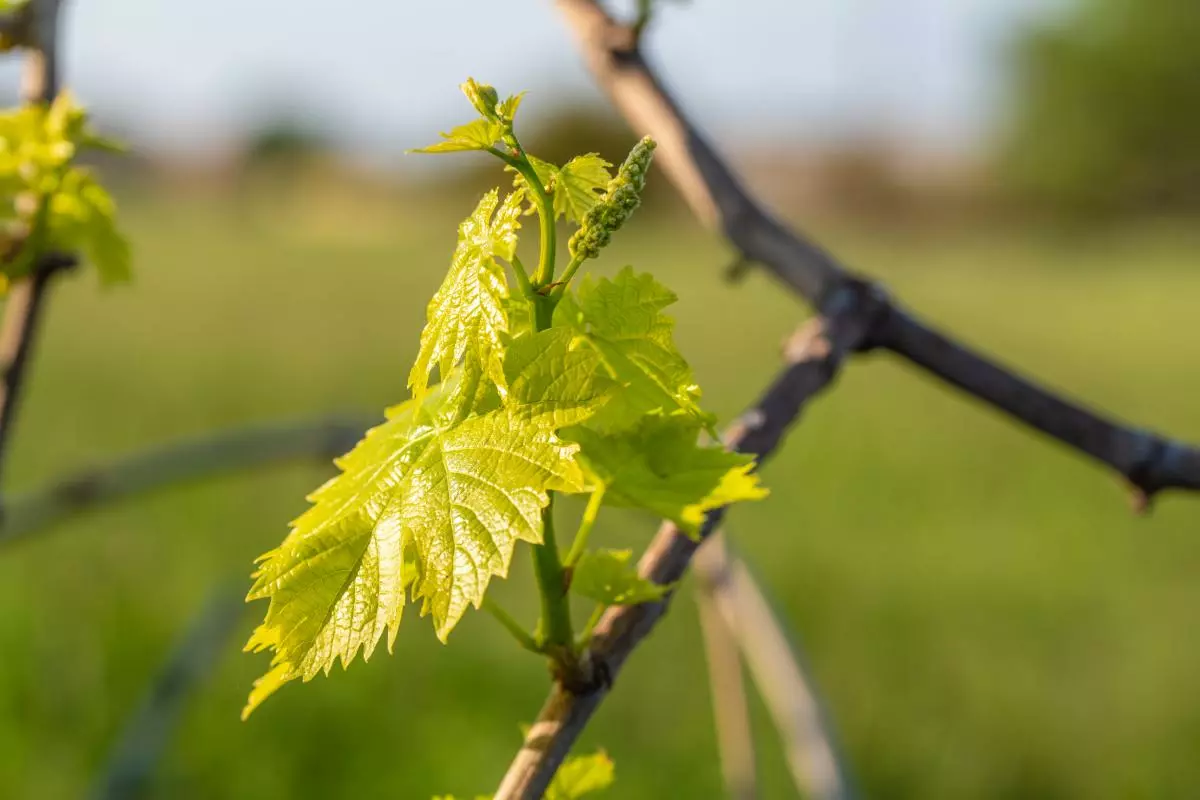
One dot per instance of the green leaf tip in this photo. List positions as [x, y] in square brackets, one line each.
[483, 97]
[494, 124]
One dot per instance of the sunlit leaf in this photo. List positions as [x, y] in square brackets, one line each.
[50, 203]
[623, 320]
[479, 134]
[660, 467]
[576, 187]
[467, 314]
[580, 776]
[430, 504]
[547, 375]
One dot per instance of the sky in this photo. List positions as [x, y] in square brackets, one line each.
[382, 74]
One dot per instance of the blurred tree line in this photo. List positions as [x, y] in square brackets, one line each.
[1107, 110]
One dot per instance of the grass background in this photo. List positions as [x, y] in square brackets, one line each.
[983, 614]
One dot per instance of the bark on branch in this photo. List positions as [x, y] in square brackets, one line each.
[1148, 462]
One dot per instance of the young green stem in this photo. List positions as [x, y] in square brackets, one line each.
[554, 635]
[585, 528]
[554, 628]
[545, 211]
[522, 277]
[511, 625]
[585, 636]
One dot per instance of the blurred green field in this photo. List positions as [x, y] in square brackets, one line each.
[983, 614]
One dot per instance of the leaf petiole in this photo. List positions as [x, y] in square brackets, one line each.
[560, 286]
[585, 636]
[511, 625]
[579, 545]
[545, 209]
[522, 278]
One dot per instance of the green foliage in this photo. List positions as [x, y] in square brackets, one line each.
[1107, 115]
[480, 134]
[659, 466]
[622, 320]
[608, 577]
[430, 503]
[575, 186]
[467, 312]
[50, 202]
[543, 391]
[578, 776]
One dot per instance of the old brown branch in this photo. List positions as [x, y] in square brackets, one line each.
[173, 464]
[1148, 462]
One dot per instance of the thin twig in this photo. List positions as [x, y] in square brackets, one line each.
[731, 710]
[813, 355]
[175, 463]
[811, 754]
[132, 761]
[1149, 463]
[35, 27]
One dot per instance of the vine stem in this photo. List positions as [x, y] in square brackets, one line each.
[554, 628]
[585, 528]
[554, 635]
[548, 234]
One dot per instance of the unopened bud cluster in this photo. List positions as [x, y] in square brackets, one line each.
[622, 196]
[483, 97]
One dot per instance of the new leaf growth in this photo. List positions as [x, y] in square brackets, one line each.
[521, 390]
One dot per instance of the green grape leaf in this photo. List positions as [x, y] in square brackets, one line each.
[579, 184]
[622, 320]
[428, 503]
[507, 110]
[579, 776]
[467, 314]
[51, 204]
[608, 577]
[520, 315]
[547, 375]
[480, 134]
[83, 217]
[659, 466]
[576, 187]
